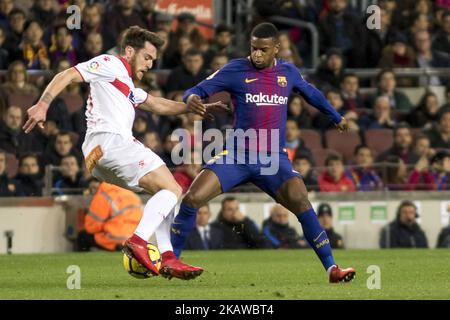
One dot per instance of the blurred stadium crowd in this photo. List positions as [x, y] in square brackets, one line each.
[395, 143]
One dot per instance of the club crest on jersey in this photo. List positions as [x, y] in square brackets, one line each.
[93, 66]
[282, 82]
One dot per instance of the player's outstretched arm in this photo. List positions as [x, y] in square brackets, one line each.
[314, 97]
[168, 107]
[37, 113]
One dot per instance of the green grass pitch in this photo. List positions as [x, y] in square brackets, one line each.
[265, 274]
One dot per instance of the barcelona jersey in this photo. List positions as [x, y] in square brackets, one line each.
[260, 98]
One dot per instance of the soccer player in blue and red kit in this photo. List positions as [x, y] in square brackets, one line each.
[259, 86]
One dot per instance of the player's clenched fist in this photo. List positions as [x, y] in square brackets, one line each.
[343, 125]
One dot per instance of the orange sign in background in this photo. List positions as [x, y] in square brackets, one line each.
[201, 9]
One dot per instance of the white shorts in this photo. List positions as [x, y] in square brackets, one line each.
[123, 161]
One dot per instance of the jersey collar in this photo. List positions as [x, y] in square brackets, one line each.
[126, 64]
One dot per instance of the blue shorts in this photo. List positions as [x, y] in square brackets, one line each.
[232, 172]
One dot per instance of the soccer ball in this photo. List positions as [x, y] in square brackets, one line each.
[137, 270]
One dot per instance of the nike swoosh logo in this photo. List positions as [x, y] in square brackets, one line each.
[250, 80]
[318, 236]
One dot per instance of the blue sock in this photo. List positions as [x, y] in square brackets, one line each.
[181, 227]
[316, 237]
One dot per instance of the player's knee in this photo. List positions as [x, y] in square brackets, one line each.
[298, 201]
[193, 199]
[176, 189]
[297, 197]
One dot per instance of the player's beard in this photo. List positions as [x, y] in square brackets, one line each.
[134, 68]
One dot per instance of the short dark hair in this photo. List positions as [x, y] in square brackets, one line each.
[228, 199]
[63, 133]
[383, 72]
[30, 22]
[406, 203]
[136, 37]
[359, 147]
[402, 125]
[224, 28]
[192, 52]
[61, 26]
[333, 157]
[17, 63]
[442, 112]
[332, 90]
[421, 136]
[348, 75]
[70, 156]
[265, 30]
[301, 155]
[17, 11]
[26, 156]
[220, 54]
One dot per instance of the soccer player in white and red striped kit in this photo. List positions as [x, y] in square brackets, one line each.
[111, 152]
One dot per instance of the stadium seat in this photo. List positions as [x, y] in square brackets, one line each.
[414, 94]
[345, 143]
[24, 101]
[74, 102]
[12, 165]
[320, 155]
[379, 140]
[312, 138]
[440, 93]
